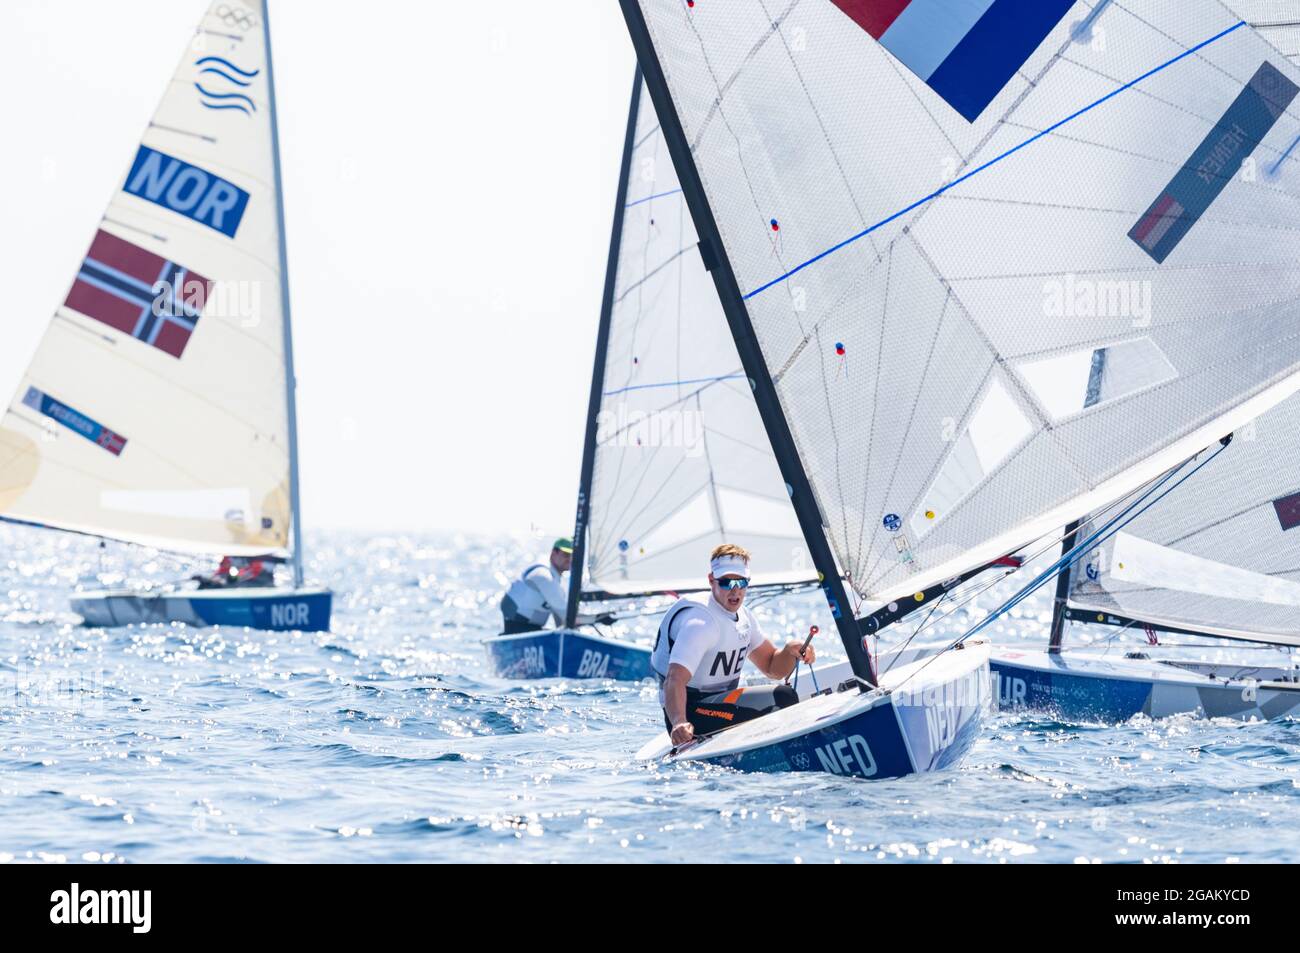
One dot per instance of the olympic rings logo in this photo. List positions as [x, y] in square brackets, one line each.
[236, 17]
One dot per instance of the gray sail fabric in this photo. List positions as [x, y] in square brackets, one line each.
[1278, 21]
[1222, 554]
[929, 292]
[682, 460]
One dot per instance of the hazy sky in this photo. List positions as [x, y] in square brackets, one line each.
[450, 171]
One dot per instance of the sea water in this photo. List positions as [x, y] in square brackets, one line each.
[387, 739]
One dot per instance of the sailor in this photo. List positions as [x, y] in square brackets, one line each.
[238, 571]
[702, 647]
[539, 594]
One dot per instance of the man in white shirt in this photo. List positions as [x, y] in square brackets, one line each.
[702, 647]
[539, 594]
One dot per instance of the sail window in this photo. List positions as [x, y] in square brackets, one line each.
[743, 511]
[1066, 384]
[996, 428]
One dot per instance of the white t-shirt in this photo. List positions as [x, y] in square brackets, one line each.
[708, 640]
[540, 594]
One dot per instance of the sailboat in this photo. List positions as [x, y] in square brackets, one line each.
[892, 198]
[159, 407]
[1219, 559]
[675, 460]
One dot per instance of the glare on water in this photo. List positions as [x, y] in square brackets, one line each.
[388, 739]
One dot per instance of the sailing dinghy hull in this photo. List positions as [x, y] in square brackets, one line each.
[925, 717]
[277, 610]
[566, 653]
[1079, 687]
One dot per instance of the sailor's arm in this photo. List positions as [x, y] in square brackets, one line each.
[675, 703]
[780, 664]
[554, 598]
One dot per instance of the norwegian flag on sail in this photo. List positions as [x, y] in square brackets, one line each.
[138, 293]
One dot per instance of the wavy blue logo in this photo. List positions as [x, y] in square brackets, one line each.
[220, 82]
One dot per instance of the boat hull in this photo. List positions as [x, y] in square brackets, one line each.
[566, 653]
[277, 610]
[1078, 687]
[925, 718]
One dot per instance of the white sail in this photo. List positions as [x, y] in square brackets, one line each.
[1278, 21]
[682, 460]
[937, 230]
[155, 408]
[1222, 554]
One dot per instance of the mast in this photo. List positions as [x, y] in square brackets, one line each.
[290, 382]
[1062, 592]
[1091, 398]
[598, 368]
[751, 356]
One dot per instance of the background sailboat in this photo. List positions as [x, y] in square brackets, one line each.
[159, 407]
[676, 460]
[1219, 558]
[915, 202]
[1216, 558]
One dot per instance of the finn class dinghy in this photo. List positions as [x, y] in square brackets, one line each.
[676, 460]
[159, 407]
[923, 227]
[1220, 558]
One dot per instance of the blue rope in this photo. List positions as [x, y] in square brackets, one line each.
[1117, 523]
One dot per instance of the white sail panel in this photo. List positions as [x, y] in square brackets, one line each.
[682, 460]
[922, 255]
[1222, 553]
[1278, 21]
[154, 410]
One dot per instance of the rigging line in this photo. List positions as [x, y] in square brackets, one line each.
[647, 238]
[915, 632]
[1211, 64]
[645, 277]
[720, 87]
[625, 520]
[941, 460]
[875, 399]
[821, 124]
[1211, 122]
[765, 452]
[1100, 536]
[651, 198]
[1286, 155]
[686, 383]
[990, 163]
[1069, 558]
[1097, 209]
[839, 471]
[911, 417]
[718, 519]
[646, 138]
[717, 110]
[664, 409]
[1049, 543]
